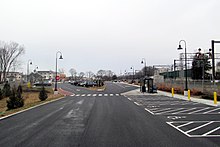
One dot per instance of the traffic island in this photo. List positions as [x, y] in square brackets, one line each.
[31, 99]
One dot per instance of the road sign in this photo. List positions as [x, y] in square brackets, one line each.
[57, 77]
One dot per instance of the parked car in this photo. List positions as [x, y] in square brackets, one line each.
[43, 83]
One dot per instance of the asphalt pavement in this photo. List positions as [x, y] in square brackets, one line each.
[112, 118]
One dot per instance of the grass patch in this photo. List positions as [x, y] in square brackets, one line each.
[30, 99]
[95, 88]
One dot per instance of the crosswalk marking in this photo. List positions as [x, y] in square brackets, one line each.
[93, 95]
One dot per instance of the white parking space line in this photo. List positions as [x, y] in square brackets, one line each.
[207, 133]
[186, 124]
[184, 111]
[204, 127]
[199, 110]
[149, 111]
[206, 124]
[137, 103]
[160, 110]
[170, 111]
[211, 111]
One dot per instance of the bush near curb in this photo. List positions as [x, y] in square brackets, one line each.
[15, 99]
[43, 94]
[1, 94]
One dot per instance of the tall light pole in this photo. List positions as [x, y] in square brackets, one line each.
[61, 57]
[180, 48]
[133, 74]
[145, 67]
[29, 63]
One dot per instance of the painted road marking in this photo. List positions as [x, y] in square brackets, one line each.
[129, 99]
[211, 111]
[137, 103]
[200, 129]
[170, 111]
[88, 95]
[206, 124]
[184, 111]
[149, 111]
[199, 110]
[186, 124]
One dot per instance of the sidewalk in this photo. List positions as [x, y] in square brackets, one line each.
[178, 96]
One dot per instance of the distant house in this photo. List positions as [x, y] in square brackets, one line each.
[34, 77]
[14, 76]
[47, 75]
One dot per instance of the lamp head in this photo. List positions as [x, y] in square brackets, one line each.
[142, 62]
[179, 48]
[30, 63]
[61, 57]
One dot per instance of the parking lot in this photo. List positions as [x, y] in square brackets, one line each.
[190, 118]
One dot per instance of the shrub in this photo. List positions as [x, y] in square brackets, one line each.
[15, 99]
[196, 92]
[1, 94]
[6, 90]
[43, 94]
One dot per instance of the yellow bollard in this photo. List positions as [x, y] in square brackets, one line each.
[172, 92]
[189, 95]
[215, 97]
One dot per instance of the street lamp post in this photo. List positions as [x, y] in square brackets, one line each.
[55, 88]
[133, 74]
[145, 68]
[186, 84]
[29, 63]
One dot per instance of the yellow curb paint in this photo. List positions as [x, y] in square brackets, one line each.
[215, 97]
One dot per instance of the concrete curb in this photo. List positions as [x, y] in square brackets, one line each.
[13, 114]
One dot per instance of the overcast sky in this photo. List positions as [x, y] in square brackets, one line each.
[108, 34]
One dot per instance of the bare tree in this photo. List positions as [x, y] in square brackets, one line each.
[90, 74]
[9, 54]
[81, 74]
[61, 71]
[73, 72]
[101, 73]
